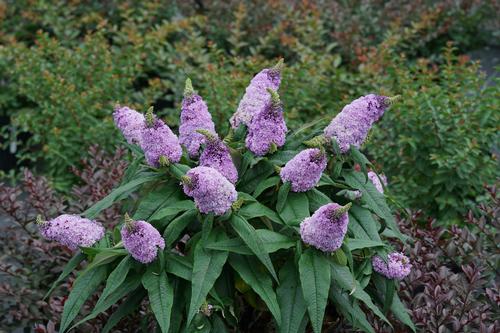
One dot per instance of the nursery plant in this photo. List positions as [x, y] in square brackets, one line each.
[278, 221]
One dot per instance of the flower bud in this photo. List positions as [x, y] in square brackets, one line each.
[211, 191]
[397, 266]
[194, 116]
[304, 170]
[376, 181]
[351, 126]
[326, 228]
[71, 230]
[141, 240]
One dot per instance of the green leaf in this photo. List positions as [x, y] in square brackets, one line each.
[317, 199]
[248, 234]
[116, 278]
[256, 209]
[179, 266]
[177, 226]
[254, 176]
[356, 244]
[103, 258]
[273, 242]
[120, 192]
[160, 196]
[389, 294]
[269, 182]
[290, 299]
[131, 283]
[70, 266]
[352, 312]
[400, 311]
[83, 287]
[248, 269]
[132, 303]
[364, 218]
[296, 207]
[315, 280]
[173, 209]
[161, 296]
[282, 196]
[373, 199]
[207, 266]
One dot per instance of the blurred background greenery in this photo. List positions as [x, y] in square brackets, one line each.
[64, 64]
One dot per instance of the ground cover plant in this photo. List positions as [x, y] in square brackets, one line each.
[266, 220]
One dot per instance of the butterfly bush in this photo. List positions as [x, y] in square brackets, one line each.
[376, 181]
[217, 155]
[211, 191]
[267, 129]
[256, 95]
[72, 231]
[249, 207]
[326, 228]
[130, 123]
[304, 170]
[397, 266]
[194, 116]
[141, 240]
[351, 126]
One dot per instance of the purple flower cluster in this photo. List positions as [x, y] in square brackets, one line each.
[397, 266]
[211, 191]
[194, 116]
[216, 155]
[256, 96]
[141, 240]
[326, 228]
[267, 129]
[351, 126]
[159, 140]
[376, 181]
[304, 170]
[72, 231]
[130, 122]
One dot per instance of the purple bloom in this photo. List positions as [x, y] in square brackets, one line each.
[141, 240]
[267, 130]
[326, 228]
[304, 170]
[211, 191]
[397, 266]
[351, 126]
[216, 155]
[72, 231]
[159, 140]
[256, 96]
[376, 182]
[194, 116]
[130, 123]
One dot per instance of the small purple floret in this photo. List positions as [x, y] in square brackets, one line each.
[211, 191]
[397, 266]
[351, 126]
[72, 231]
[159, 140]
[323, 230]
[142, 241]
[304, 170]
[130, 123]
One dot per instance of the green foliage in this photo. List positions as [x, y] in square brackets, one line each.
[227, 264]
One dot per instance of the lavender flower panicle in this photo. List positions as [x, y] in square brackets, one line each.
[158, 140]
[326, 228]
[130, 123]
[397, 266]
[211, 191]
[267, 130]
[304, 170]
[71, 230]
[141, 240]
[376, 181]
[216, 155]
[351, 126]
[194, 116]
[256, 96]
